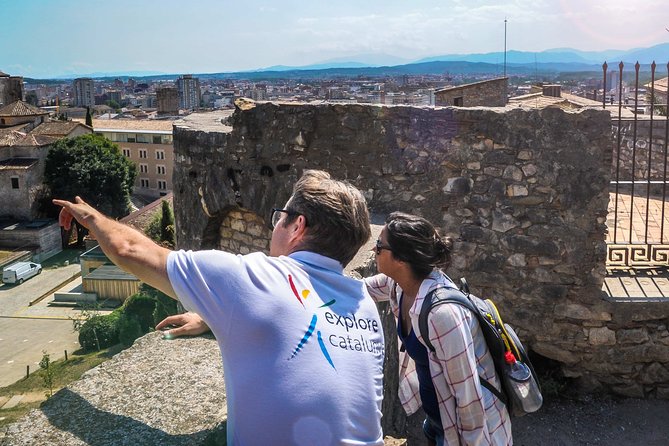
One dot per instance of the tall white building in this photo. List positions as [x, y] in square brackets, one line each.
[189, 92]
[84, 92]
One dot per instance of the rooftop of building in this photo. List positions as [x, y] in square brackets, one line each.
[141, 218]
[458, 87]
[132, 124]
[57, 128]
[20, 108]
[10, 135]
[661, 85]
[17, 163]
[36, 140]
[565, 101]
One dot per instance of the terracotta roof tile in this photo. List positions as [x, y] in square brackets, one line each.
[31, 140]
[9, 136]
[661, 85]
[56, 128]
[141, 218]
[20, 108]
[132, 124]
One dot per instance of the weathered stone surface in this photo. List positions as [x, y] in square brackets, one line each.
[554, 352]
[602, 336]
[655, 373]
[531, 245]
[528, 192]
[573, 311]
[458, 186]
[503, 222]
[138, 397]
[633, 336]
[630, 391]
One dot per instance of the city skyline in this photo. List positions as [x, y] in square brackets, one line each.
[50, 39]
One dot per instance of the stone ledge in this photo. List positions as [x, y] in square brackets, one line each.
[157, 392]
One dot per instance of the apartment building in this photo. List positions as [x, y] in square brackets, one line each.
[148, 144]
[189, 92]
[84, 92]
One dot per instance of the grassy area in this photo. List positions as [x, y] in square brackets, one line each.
[65, 372]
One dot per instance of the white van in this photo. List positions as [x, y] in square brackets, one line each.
[20, 271]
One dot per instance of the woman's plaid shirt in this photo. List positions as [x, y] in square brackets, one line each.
[470, 414]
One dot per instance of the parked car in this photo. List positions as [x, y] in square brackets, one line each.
[20, 271]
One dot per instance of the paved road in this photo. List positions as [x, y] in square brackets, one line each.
[25, 331]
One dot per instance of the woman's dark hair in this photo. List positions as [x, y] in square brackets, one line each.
[414, 240]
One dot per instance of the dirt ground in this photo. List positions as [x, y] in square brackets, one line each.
[595, 420]
[591, 420]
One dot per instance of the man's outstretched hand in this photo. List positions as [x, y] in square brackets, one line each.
[187, 324]
[78, 209]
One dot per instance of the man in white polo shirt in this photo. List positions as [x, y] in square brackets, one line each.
[302, 344]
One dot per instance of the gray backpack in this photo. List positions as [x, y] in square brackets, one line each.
[520, 387]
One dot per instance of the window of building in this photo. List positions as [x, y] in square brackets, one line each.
[15, 182]
[131, 137]
[143, 168]
[458, 102]
[126, 153]
[142, 153]
[160, 170]
[143, 138]
[162, 184]
[160, 154]
[157, 139]
[144, 182]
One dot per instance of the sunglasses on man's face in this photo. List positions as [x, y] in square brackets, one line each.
[380, 246]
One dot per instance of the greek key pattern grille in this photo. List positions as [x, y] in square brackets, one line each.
[637, 255]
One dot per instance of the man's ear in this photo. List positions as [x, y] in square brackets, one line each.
[298, 230]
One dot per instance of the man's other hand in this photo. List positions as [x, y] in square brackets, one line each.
[187, 324]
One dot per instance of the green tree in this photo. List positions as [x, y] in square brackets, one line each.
[48, 376]
[89, 118]
[161, 227]
[94, 168]
[31, 98]
[113, 104]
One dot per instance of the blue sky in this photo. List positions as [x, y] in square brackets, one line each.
[42, 38]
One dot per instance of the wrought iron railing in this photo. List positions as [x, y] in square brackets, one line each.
[639, 180]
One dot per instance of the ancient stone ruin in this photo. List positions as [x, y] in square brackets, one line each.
[524, 193]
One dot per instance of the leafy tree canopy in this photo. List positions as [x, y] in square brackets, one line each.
[161, 227]
[94, 168]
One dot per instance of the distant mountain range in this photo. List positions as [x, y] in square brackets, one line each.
[658, 53]
[557, 60]
[114, 74]
[578, 58]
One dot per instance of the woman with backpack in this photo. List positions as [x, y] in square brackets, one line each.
[410, 255]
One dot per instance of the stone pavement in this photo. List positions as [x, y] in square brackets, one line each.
[637, 219]
[27, 331]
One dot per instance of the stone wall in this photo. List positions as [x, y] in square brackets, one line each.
[490, 93]
[11, 89]
[243, 232]
[656, 142]
[525, 193]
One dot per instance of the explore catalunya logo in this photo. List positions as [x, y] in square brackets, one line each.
[312, 326]
[345, 332]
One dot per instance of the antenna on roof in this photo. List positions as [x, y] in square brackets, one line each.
[504, 46]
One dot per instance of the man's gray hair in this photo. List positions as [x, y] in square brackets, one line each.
[336, 214]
